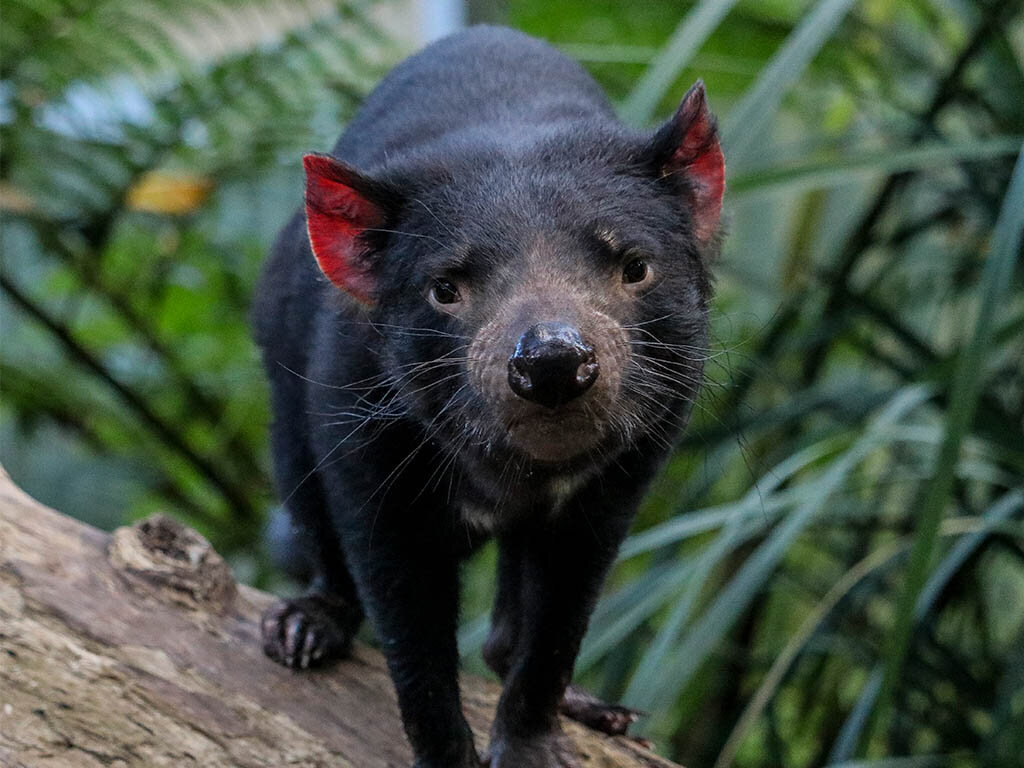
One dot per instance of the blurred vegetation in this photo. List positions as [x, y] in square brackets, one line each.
[831, 569]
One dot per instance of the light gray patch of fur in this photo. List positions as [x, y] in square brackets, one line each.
[563, 487]
[479, 517]
[608, 237]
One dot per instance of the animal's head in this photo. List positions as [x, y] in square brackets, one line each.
[548, 300]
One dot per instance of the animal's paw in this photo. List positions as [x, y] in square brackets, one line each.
[549, 750]
[585, 708]
[308, 631]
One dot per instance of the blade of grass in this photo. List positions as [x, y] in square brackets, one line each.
[883, 556]
[623, 612]
[963, 401]
[707, 633]
[647, 673]
[472, 635]
[849, 167]
[670, 61]
[849, 734]
[1000, 511]
[747, 123]
[773, 678]
[758, 500]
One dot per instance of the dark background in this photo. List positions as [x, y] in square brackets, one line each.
[831, 568]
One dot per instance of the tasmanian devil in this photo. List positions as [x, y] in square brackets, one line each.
[489, 319]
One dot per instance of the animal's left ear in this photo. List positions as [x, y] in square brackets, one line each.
[687, 148]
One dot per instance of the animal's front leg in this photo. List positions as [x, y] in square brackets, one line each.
[408, 581]
[500, 647]
[561, 574]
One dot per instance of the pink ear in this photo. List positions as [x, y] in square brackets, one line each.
[337, 213]
[698, 155]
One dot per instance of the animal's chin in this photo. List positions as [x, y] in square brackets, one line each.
[554, 436]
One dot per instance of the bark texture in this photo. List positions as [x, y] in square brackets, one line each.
[139, 649]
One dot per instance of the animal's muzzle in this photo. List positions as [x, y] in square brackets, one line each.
[552, 365]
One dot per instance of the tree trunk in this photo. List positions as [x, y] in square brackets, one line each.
[139, 649]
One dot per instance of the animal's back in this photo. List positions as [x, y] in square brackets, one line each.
[483, 81]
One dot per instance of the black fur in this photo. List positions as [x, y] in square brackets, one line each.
[478, 147]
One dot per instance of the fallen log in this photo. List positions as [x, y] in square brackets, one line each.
[139, 649]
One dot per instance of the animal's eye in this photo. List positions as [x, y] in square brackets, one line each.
[635, 271]
[445, 292]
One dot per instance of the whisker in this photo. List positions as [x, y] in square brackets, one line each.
[411, 330]
[407, 234]
[392, 476]
[436, 218]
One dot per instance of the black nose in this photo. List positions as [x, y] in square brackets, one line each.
[552, 365]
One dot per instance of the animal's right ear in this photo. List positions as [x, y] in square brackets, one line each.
[342, 206]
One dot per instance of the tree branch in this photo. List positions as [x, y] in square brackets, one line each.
[140, 649]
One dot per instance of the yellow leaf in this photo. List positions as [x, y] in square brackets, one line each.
[169, 193]
[13, 199]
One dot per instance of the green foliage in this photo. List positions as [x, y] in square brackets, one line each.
[142, 181]
[831, 569]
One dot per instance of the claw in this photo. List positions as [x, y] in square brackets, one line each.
[294, 635]
[585, 708]
[307, 649]
[309, 630]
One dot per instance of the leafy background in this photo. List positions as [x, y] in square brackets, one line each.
[831, 569]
